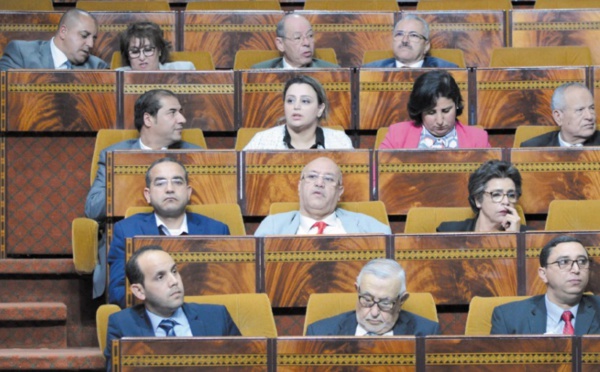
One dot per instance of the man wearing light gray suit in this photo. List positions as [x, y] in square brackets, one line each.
[320, 188]
[159, 120]
[70, 48]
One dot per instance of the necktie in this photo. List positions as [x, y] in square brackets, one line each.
[320, 225]
[69, 65]
[568, 330]
[371, 334]
[168, 325]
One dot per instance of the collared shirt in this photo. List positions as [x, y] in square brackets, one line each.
[418, 64]
[360, 331]
[334, 225]
[182, 325]
[287, 66]
[429, 141]
[58, 57]
[172, 232]
[272, 139]
[144, 147]
[563, 143]
[554, 322]
[319, 139]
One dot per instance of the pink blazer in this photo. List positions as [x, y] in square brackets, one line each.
[406, 135]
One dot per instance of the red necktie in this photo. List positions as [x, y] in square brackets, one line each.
[567, 316]
[320, 225]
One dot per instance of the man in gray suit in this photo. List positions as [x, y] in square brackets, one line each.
[159, 120]
[564, 309]
[70, 48]
[320, 188]
[295, 39]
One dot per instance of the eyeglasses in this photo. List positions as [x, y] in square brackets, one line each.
[328, 179]
[383, 305]
[147, 50]
[566, 264]
[497, 196]
[297, 39]
[414, 37]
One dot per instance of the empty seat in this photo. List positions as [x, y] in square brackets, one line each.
[234, 5]
[479, 319]
[541, 56]
[124, 6]
[573, 215]
[352, 5]
[464, 5]
[26, 5]
[566, 4]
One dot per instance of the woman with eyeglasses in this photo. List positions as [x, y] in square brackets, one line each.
[434, 105]
[494, 190]
[305, 105]
[143, 48]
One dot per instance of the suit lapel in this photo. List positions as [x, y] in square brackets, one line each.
[404, 325]
[142, 322]
[149, 226]
[348, 325]
[537, 316]
[585, 317]
[196, 324]
[46, 56]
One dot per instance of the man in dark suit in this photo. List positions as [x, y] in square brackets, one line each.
[381, 287]
[295, 40]
[168, 191]
[70, 48]
[411, 45]
[574, 112]
[159, 120]
[154, 279]
[564, 309]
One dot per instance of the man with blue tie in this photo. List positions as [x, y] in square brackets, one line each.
[155, 280]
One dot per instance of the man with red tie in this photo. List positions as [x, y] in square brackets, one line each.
[564, 309]
[320, 188]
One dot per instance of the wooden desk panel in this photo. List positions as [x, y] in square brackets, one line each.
[207, 97]
[60, 101]
[346, 354]
[273, 176]
[426, 178]
[557, 173]
[212, 175]
[223, 33]
[456, 267]
[510, 97]
[208, 265]
[590, 360]
[297, 266]
[262, 96]
[25, 25]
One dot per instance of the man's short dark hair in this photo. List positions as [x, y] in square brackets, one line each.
[547, 250]
[428, 88]
[132, 269]
[149, 102]
[164, 160]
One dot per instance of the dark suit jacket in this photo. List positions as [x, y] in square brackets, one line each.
[145, 224]
[550, 139]
[205, 320]
[427, 62]
[37, 55]
[466, 226]
[529, 317]
[345, 325]
[278, 63]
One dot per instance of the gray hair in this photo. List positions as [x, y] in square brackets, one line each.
[415, 18]
[384, 268]
[558, 97]
[280, 31]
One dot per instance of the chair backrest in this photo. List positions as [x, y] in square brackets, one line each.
[381, 133]
[107, 137]
[479, 319]
[375, 209]
[201, 60]
[464, 5]
[245, 59]
[251, 312]
[573, 215]
[26, 5]
[234, 5]
[325, 305]
[102, 314]
[342, 5]
[123, 6]
[244, 135]
[451, 55]
[541, 56]
[425, 220]
[566, 4]
[525, 132]
[228, 213]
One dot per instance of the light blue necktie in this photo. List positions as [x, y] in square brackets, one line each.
[168, 325]
[69, 65]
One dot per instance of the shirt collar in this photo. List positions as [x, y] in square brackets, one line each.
[58, 57]
[287, 66]
[417, 64]
[360, 331]
[554, 314]
[178, 316]
[319, 138]
[306, 222]
[144, 147]
[172, 232]
[564, 143]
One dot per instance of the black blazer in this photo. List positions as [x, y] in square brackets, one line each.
[467, 225]
[551, 140]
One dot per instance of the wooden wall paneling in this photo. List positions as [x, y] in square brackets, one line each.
[61, 100]
[222, 33]
[273, 176]
[557, 173]
[425, 178]
[510, 97]
[384, 94]
[23, 25]
[297, 266]
[595, 75]
[590, 346]
[207, 97]
[262, 96]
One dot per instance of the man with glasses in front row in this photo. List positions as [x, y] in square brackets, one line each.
[564, 309]
[411, 45]
[381, 287]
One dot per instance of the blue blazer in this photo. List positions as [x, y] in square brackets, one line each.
[205, 320]
[427, 62]
[288, 223]
[145, 224]
[37, 55]
[531, 319]
[345, 325]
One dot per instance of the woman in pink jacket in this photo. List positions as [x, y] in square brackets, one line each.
[433, 106]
